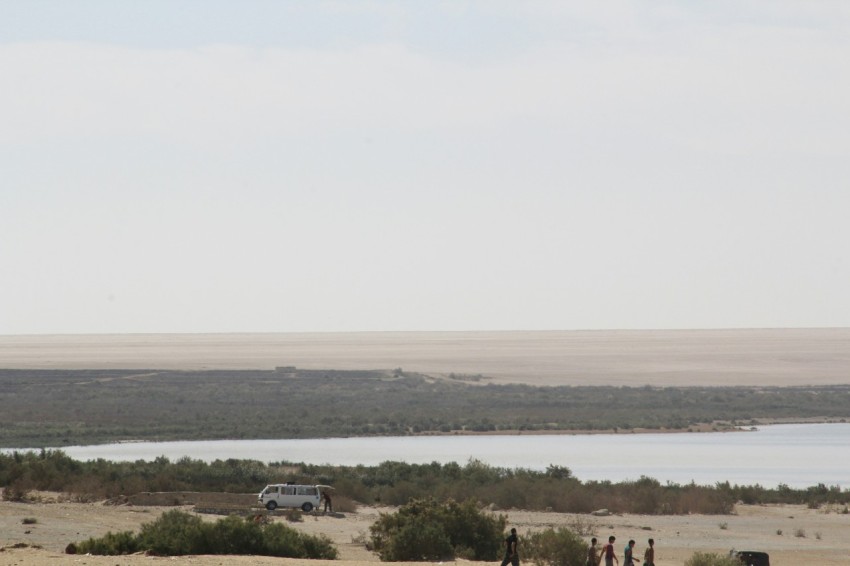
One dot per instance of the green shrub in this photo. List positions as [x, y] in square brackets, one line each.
[281, 540]
[232, 535]
[318, 547]
[419, 539]
[110, 544]
[426, 530]
[551, 547]
[178, 533]
[175, 533]
[711, 559]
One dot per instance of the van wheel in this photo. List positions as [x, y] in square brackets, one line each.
[271, 505]
[307, 507]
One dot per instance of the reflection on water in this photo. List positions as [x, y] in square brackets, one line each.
[799, 455]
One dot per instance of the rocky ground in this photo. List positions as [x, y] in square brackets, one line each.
[793, 535]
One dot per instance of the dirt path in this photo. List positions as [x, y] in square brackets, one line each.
[807, 536]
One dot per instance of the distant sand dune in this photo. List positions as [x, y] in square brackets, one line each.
[640, 357]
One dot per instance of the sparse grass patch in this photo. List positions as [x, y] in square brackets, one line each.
[723, 526]
[293, 515]
[554, 547]
[29, 521]
[800, 533]
[343, 504]
[582, 526]
[362, 539]
[15, 492]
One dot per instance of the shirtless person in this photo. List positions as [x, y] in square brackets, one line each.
[649, 554]
[592, 556]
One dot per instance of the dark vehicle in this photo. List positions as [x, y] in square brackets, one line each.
[752, 558]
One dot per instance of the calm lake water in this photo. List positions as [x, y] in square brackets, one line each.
[799, 455]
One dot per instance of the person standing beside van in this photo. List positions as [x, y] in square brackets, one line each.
[326, 497]
[511, 554]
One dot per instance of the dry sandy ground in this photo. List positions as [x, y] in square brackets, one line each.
[752, 527]
[626, 357]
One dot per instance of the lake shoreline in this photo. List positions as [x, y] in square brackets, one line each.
[719, 426]
[692, 429]
[798, 455]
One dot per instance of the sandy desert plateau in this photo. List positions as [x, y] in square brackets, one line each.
[780, 357]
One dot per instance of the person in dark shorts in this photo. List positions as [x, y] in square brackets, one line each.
[511, 554]
[326, 497]
[628, 558]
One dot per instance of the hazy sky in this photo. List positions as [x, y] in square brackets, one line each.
[212, 166]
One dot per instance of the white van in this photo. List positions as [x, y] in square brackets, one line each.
[306, 497]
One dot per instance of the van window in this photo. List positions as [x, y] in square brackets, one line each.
[304, 490]
[288, 490]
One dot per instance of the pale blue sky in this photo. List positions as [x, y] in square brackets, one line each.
[217, 166]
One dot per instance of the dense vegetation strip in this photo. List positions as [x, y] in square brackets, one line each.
[63, 407]
[394, 483]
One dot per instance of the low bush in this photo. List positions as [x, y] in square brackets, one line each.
[344, 504]
[111, 544]
[711, 559]
[15, 492]
[552, 547]
[178, 533]
[175, 533]
[425, 530]
[293, 515]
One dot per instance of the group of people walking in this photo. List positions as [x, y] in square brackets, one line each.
[609, 553]
[594, 554]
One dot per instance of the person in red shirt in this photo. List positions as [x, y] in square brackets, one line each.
[609, 553]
